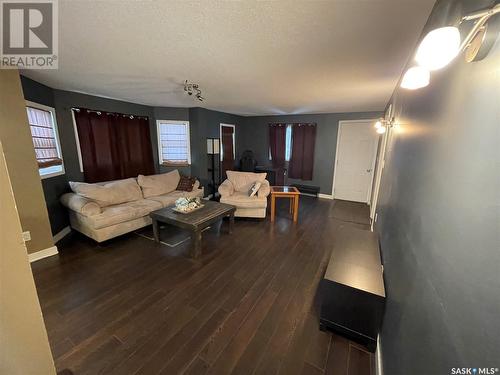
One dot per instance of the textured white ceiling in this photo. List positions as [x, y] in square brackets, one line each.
[265, 57]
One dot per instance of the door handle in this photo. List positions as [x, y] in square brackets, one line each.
[368, 170]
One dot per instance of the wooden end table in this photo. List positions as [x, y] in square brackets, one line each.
[289, 192]
[194, 221]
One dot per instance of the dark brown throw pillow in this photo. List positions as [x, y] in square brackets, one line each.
[186, 183]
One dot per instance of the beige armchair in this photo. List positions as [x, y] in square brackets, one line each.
[235, 190]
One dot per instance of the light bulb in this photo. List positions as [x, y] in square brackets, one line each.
[378, 124]
[415, 78]
[381, 130]
[438, 48]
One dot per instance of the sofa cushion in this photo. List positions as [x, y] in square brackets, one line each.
[120, 213]
[243, 181]
[165, 200]
[242, 200]
[170, 198]
[159, 184]
[110, 193]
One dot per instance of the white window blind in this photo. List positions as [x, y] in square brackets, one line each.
[173, 142]
[45, 140]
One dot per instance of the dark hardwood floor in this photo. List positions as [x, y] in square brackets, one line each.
[247, 306]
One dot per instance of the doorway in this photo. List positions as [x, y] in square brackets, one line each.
[227, 153]
[357, 144]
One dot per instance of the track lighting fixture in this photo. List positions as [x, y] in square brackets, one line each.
[193, 88]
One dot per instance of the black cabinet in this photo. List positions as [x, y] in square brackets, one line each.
[352, 291]
[274, 175]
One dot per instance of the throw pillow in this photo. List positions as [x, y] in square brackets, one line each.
[255, 188]
[159, 184]
[186, 183]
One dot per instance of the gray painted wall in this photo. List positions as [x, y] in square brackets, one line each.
[439, 220]
[255, 136]
[205, 123]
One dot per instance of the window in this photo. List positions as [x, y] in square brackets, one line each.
[173, 142]
[288, 143]
[43, 126]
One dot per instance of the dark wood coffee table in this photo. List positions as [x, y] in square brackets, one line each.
[194, 221]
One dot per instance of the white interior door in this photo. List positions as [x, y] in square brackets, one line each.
[356, 149]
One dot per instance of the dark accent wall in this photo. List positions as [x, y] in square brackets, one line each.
[438, 217]
[254, 135]
[205, 123]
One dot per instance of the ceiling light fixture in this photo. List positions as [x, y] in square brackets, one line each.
[193, 89]
[440, 46]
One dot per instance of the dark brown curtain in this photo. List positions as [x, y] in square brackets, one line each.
[277, 146]
[227, 150]
[277, 140]
[113, 145]
[302, 159]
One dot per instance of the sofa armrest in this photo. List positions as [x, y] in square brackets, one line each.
[80, 204]
[200, 192]
[226, 188]
[264, 190]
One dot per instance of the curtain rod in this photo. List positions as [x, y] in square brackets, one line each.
[76, 109]
[292, 123]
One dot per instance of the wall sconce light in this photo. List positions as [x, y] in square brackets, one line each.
[382, 124]
[416, 78]
[440, 46]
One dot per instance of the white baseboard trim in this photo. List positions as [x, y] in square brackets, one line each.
[63, 233]
[309, 195]
[33, 257]
[378, 359]
[325, 196]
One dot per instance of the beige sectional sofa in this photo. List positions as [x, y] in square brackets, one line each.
[235, 190]
[105, 210]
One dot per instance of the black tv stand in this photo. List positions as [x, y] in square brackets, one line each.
[352, 291]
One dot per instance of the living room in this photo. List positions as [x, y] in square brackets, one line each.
[262, 196]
